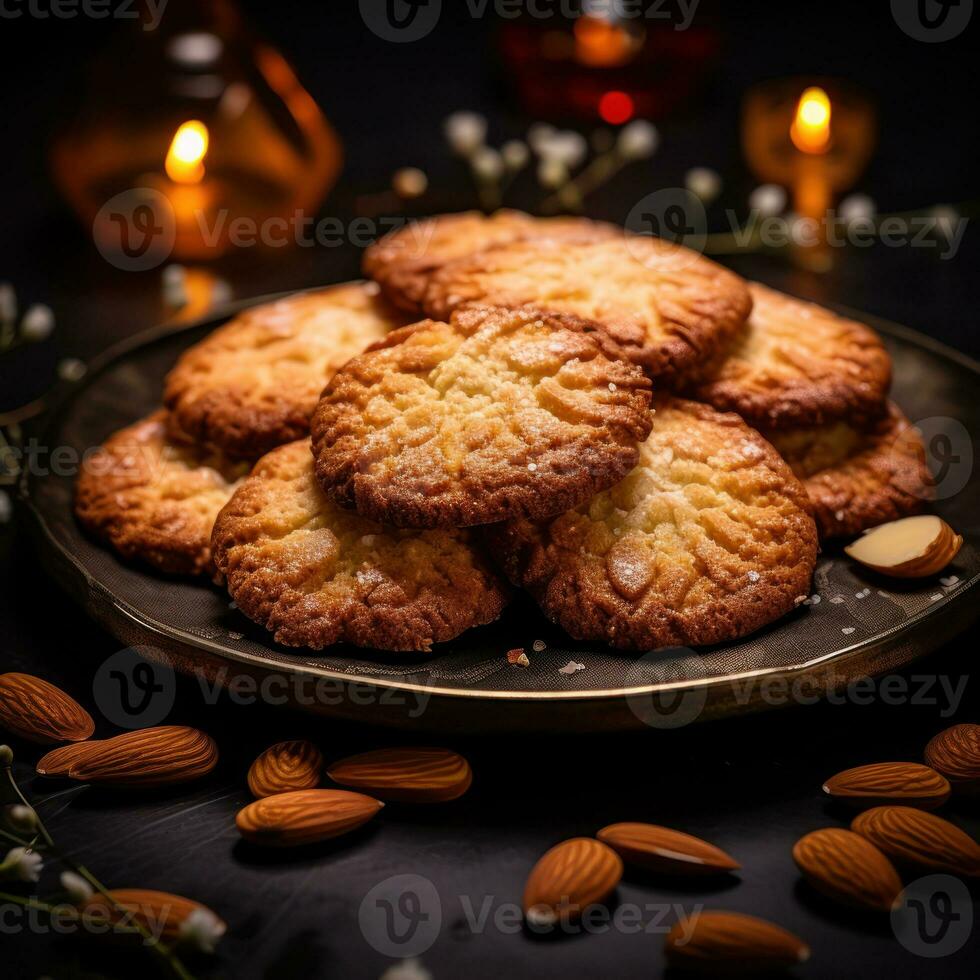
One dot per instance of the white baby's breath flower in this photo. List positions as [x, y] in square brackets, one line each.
[567, 147]
[638, 140]
[487, 163]
[8, 303]
[79, 890]
[71, 369]
[703, 182]
[946, 218]
[538, 134]
[20, 864]
[38, 323]
[552, 173]
[22, 818]
[856, 207]
[173, 275]
[201, 930]
[410, 182]
[515, 154]
[768, 200]
[221, 292]
[6, 756]
[466, 132]
[408, 969]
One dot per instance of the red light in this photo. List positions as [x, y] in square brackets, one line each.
[616, 107]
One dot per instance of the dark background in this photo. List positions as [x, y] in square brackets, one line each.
[751, 786]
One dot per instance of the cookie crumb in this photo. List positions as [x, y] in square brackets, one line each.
[538, 645]
[571, 667]
[518, 658]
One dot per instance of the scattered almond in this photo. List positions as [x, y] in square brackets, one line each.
[568, 879]
[955, 752]
[305, 816]
[40, 712]
[905, 783]
[157, 912]
[845, 867]
[919, 840]
[148, 757]
[728, 942]
[284, 767]
[912, 547]
[662, 849]
[408, 775]
[58, 761]
[518, 658]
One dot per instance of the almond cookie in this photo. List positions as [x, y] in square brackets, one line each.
[315, 574]
[497, 414]
[797, 364]
[667, 306]
[155, 499]
[253, 383]
[858, 478]
[706, 540]
[403, 261]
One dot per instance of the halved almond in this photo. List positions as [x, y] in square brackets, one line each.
[912, 547]
[305, 816]
[730, 942]
[40, 712]
[285, 767]
[906, 783]
[406, 775]
[664, 850]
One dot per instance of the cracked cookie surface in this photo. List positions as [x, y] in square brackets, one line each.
[668, 307]
[859, 478]
[315, 574]
[705, 541]
[154, 499]
[797, 364]
[498, 413]
[253, 383]
[404, 260]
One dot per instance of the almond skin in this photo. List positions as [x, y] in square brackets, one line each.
[40, 712]
[305, 816]
[903, 783]
[955, 753]
[664, 850]
[152, 909]
[568, 879]
[148, 757]
[58, 761]
[729, 942]
[845, 867]
[915, 839]
[406, 775]
[285, 767]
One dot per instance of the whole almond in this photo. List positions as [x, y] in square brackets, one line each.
[148, 757]
[284, 767]
[664, 850]
[913, 838]
[305, 816]
[845, 867]
[40, 712]
[568, 879]
[58, 761]
[955, 752]
[406, 775]
[154, 911]
[904, 783]
[729, 942]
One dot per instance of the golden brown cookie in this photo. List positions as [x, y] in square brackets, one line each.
[155, 499]
[403, 261]
[253, 383]
[706, 540]
[668, 307]
[315, 574]
[797, 364]
[857, 478]
[497, 414]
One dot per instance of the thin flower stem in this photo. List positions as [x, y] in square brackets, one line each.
[28, 903]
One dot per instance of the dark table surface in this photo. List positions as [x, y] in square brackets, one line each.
[750, 785]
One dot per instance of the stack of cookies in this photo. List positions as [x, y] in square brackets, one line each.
[645, 443]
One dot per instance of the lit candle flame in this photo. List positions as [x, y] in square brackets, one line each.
[185, 158]
[810, 131]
